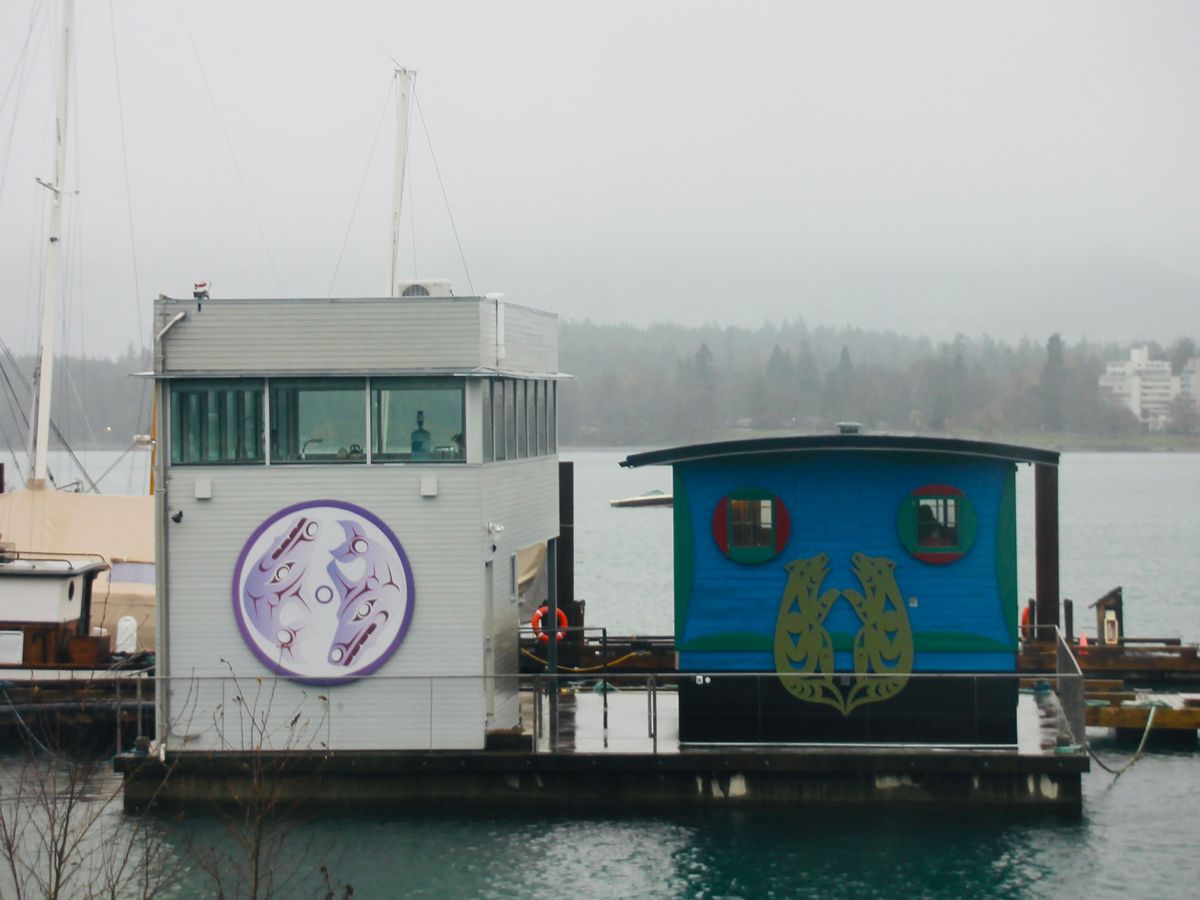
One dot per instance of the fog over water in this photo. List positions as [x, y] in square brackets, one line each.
[1018, 168]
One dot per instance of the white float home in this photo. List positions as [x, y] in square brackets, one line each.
[342, 487]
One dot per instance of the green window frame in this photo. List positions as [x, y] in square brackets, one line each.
[216, 421]
[937, 524]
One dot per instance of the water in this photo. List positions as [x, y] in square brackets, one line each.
[1128, 519]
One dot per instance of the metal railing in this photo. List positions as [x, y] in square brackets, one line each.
[595, 712]
[1069, 687]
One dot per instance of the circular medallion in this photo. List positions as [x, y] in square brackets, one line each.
[323, 591]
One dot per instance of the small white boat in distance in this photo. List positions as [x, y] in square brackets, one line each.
[650, 498]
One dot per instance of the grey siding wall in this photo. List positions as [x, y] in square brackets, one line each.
[352, 335]
[430, 693]
[523, 497]
[444, 540]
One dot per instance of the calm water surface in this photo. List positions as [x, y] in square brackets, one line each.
[1127, 519]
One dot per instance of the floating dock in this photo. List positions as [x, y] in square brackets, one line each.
[621, 748]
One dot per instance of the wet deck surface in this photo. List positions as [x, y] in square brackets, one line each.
[582, 729]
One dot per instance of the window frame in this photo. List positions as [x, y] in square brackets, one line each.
[203, 418]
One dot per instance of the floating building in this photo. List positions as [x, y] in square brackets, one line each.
[343, 486]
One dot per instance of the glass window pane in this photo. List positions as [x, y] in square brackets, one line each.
[750, 523]
[216, 421]
[510, 419]
[532, 418]
[417, 420]
[522, 434]
[488, 453]
[318, 420]
[541, 418]
[499, 404]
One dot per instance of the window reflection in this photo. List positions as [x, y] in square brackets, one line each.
[417, 420]
[318, 420]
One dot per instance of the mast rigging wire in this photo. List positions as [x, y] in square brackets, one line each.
[445, 199]
[361, 185]
[21, 73]
[137, 281]
[229, 144]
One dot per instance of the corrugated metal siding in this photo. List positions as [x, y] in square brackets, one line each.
[353, 335]
[303, 335]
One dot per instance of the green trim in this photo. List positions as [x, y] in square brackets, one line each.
[958, 642]
[732, 642]
[928, 642]
[749, 556]
[967, 521]
[1006, 553]
[685, 553]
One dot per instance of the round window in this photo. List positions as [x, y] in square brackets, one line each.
[751, 526]
[937, 524]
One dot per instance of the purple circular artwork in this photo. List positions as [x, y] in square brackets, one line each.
[323, 591]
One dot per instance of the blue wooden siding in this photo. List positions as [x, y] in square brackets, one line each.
[841, 504]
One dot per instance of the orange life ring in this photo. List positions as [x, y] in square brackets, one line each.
[536, 622]
[1026, 627]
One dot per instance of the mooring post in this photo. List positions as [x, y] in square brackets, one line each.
[552, 631]
[1046, 536]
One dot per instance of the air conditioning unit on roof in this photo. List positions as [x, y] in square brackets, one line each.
[424, 288]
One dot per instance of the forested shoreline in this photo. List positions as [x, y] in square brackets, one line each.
[668, 383]
[638, 386]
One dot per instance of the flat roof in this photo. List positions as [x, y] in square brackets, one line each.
[842, 443]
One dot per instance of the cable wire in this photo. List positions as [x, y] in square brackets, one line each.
[229, 143]
[442, 185]
[361, 185]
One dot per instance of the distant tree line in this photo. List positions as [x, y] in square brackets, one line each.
[98, 403]
[668, 383]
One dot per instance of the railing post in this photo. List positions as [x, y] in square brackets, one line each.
[139, 709]
[604, 677]
[117, 745]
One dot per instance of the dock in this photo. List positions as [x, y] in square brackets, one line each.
[619, 748]
[1111, 703]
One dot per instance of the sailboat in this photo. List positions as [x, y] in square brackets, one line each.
[71, 565]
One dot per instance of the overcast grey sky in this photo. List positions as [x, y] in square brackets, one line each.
[1011, 167]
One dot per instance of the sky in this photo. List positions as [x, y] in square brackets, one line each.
[1011, 168]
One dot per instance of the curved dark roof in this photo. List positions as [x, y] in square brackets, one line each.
[887, 443]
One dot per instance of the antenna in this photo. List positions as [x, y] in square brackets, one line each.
[404, 84]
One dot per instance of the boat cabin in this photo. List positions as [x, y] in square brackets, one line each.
[46, 610]
[342, 488]
[848, 588]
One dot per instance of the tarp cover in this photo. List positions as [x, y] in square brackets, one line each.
[114, 527]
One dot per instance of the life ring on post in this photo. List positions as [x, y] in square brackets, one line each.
[536, 622]
[1026, 625]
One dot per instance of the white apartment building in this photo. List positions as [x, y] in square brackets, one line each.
[1146, 386]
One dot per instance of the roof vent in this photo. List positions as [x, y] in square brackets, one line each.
[848, 428]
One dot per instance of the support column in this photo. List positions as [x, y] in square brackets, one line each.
[1046, 537]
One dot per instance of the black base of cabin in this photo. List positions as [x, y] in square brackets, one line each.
[945, 710]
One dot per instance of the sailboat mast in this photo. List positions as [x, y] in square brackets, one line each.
[43, 376]
[404, 80]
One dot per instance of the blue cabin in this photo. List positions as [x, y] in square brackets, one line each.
[847, 587]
